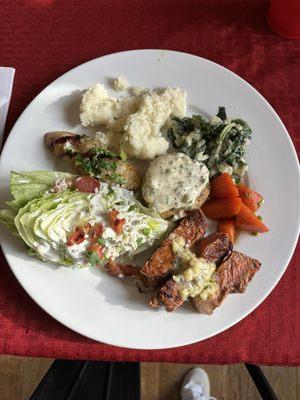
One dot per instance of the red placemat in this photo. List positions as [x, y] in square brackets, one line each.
[44, 38]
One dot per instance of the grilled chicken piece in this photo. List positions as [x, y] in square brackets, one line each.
[213, 248]
[161, 263]
[233, 276]
[89, 156]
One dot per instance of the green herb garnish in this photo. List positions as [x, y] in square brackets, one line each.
[101, 163]
[146, 231]
[123, 155]
[221, 146]
[94, 259]
[101, 241]
[139, 241]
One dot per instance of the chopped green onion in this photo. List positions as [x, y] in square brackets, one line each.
[93, 258]
[101, 241]
[123, 155]
[146, 231]
[139, 241]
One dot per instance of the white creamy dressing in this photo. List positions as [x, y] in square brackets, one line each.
[174, 181]
[137, 231]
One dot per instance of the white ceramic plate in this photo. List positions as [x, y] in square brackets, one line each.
[110, 310]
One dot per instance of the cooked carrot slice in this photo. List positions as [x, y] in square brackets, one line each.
[250, 198]
[248, 221]
[227, 226]
[222, 187]
[222, 208]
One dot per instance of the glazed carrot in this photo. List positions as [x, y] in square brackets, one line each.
[222, 208]
[250, 198]
[227, 226]
[248, 221]
[222, 187]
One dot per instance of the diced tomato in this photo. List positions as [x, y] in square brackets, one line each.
[227, 226]
[248, 221]
[87, 184]
[115, 223]
[250, 198]
[96, 248]
[222, 208]
[77, 236]
[223, 187]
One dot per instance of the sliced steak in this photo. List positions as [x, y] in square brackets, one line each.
[160, 265]
[233, 276]
[168, 295]
[214, 247]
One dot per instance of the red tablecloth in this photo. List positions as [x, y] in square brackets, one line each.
[44, 38]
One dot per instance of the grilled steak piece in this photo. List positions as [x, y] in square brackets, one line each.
[168, 295]
[88, 156]
[160, 265]
[214, 247]
[232, 276]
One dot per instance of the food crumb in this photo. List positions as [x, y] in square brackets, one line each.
[120, 84]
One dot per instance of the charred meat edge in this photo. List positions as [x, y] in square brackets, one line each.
[161, 263]
[213, 248]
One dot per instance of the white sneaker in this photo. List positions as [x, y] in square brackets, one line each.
[195, 385]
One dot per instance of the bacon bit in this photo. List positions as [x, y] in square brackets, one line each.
[112, 216]
[87, 228]
[115, 223]
[96, 248]
[78, 235]
[118, 270]
[96, 232]
[119, 224]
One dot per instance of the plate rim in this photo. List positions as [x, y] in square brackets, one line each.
[292, 247]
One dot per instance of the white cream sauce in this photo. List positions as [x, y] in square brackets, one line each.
[174, 181]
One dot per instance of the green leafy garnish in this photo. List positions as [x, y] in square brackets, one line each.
[222, 113]
[101, 163]
[94, 259]
[221, 146]
[146, 231]
[139, 241]
[123, 155]
[101, 241]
